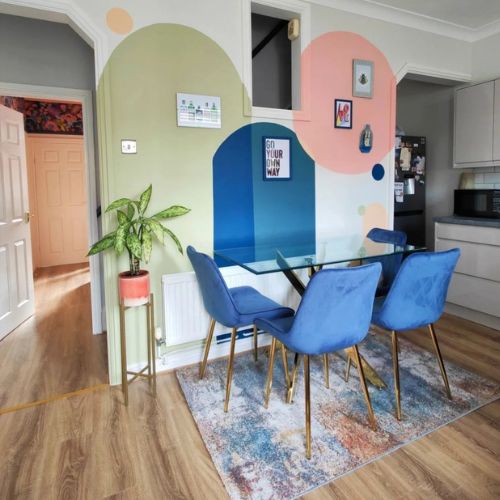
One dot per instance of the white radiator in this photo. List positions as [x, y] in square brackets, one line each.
[184, 317]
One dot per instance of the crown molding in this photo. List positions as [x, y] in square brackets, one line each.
[376, 10]
[63, 11]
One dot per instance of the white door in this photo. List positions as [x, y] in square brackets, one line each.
[61, 199]
[17, 302]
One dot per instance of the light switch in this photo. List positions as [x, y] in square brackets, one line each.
[129, 147]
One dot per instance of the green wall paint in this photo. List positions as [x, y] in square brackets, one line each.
[137, 100]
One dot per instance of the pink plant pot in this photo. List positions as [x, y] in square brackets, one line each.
[134, 290]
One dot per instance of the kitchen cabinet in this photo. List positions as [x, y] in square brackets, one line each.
[474, 291]
[476, 110]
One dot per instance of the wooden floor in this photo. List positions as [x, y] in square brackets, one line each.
[92, 447]
[53, 352]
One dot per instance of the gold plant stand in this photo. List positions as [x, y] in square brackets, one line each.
[151, 366]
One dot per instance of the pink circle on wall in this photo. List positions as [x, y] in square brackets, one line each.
[375, 215]
[326, 75]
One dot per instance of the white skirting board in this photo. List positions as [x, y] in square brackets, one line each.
[185, 321]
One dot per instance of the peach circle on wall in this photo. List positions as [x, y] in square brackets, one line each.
[374, 215]
[119, 21]
[326, 69]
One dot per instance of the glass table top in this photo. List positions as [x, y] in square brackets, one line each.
[261, 259]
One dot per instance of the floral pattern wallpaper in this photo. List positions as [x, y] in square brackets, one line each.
[44, 117]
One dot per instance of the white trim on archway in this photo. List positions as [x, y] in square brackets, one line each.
[85, 97]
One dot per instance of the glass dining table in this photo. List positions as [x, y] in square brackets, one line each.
[288, 257]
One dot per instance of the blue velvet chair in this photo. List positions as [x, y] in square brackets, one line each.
[334, 314]
[416, 299]
[390, 263]
[232, 307]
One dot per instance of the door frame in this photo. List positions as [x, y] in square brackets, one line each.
[85, 97]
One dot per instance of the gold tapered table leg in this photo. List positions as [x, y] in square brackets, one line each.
[440, 360]
[293, 378]
[207, 348]
[269, 382]
[362, 380]
[308, 406]
[371, 375]
[327, 370]
[255, 344]
[123, 349]
[347, 368]
[153, 341]
[395, 367]
[230, 370]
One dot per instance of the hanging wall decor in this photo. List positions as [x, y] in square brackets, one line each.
[343, 113]
[276, 159]
[199, 111]
[366, 139]
[362, 78]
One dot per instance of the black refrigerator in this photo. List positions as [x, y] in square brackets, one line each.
[409, 188]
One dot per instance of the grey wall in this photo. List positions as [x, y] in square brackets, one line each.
[44, 53]
[427, 109]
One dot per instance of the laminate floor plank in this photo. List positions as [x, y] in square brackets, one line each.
[91, 446]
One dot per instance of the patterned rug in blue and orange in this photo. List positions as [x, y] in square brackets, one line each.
[260, 454]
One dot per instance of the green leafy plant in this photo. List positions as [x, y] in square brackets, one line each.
[136, 231]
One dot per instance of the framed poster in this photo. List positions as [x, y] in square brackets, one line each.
[362, 78]
[201, 111]
[276, 159]
[343, 113]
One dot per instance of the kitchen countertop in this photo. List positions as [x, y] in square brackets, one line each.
[468, 221]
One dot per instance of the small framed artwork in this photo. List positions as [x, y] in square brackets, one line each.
[276, 159]
[362, 78]
[343, 113]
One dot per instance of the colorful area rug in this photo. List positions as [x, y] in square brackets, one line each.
[260, 454]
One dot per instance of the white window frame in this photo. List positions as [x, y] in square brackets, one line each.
[284, 9]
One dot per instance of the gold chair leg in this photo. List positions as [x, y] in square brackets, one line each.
[362, 380]
[440, 360]
[208, 343]
[348, 367]
[327, 370]
[269, 382]
[255, 344]
[395, 367]
[308, 406]
[291, 388]
[230, 369]
[285, 366]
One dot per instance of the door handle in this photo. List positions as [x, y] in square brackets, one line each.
[27, 217]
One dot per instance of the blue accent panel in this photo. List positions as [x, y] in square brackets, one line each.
[378, 172]
[249, 210]
[283, 211]
[233, 193]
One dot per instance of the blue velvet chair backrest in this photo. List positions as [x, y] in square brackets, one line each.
[390, 263]
[216, 296]
[418, 294]
[335, 310]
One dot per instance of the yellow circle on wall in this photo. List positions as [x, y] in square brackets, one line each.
[119, 21]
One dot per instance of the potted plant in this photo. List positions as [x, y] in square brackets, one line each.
[135, 233]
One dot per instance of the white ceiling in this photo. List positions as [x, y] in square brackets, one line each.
[472, 14]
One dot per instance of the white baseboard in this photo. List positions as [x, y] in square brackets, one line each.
[475, 316]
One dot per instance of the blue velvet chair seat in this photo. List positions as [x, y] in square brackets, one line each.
[231, 307]
[416, 299]
[334, 314]
[250, 303]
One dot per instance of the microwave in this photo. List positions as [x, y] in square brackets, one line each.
[477, 203]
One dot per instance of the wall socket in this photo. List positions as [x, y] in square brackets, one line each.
[129, 146]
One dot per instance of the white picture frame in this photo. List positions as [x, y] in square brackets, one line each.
[198, 111]
[362, 78]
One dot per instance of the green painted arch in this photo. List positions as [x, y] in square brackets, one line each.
[136, 99]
